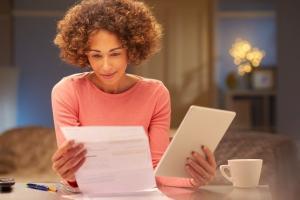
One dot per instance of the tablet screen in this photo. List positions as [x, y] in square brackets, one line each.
[200, 126]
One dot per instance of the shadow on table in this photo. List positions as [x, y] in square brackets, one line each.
[218, 193]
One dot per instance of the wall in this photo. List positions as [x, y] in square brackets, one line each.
[37, 57]
[5, 33]
[289, 68]
[186, 60]
[8, 73]
[251, 20]
[8, 97]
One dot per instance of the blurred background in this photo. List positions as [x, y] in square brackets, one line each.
[196, 63]
[240, 55]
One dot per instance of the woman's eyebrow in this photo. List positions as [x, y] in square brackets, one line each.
[117, 48]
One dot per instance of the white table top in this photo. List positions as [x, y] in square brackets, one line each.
[210, 192]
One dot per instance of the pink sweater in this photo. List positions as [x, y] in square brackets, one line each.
[76, 101]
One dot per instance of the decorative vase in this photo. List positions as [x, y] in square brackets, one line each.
[231, 81]
[245, 81]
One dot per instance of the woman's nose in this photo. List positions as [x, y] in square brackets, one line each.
[106, 64]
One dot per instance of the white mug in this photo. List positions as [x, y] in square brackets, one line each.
[243, 172]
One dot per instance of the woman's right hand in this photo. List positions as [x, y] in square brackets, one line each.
[68, 158]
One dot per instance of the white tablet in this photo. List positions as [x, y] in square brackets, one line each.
[200, 126]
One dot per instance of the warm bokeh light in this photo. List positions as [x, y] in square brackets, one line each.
[245, 56]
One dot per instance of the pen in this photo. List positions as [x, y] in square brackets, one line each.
[41, 187]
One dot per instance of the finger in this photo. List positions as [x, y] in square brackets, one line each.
[71, 173]
[65, 146]
[198, 179]
[69, 155]
[198, 169]
[72, 162]
[77, 148]
[194, 175]
[63, 170]
[194, 183]
[210, 156]
[203, 163]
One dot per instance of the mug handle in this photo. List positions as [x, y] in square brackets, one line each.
[222, 170]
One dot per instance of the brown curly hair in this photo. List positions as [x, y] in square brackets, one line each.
[130, 20]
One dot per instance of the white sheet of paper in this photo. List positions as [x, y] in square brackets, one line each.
[152, 194]
[118, 159]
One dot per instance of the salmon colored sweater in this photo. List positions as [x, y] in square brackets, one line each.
[76, 101]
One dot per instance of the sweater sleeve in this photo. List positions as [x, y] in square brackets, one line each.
[64, 107]
[159, 136]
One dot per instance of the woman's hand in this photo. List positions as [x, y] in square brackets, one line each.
[202, 169]
[68, 158]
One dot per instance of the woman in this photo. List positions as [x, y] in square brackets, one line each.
[107, 36]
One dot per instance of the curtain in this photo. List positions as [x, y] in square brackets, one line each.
[185, 62]
[8, 97]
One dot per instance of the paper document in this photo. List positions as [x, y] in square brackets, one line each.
[118, 159]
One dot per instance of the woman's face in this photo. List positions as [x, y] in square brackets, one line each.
[107, 57]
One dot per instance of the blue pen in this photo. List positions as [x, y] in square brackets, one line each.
[41, 187]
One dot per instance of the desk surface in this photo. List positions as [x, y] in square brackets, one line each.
[212, 192]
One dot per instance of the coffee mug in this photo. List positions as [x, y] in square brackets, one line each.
[243, 172]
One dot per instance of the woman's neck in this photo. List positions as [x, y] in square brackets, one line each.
[124, 84]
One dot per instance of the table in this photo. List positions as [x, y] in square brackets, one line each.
[256, 109]
[210, 192]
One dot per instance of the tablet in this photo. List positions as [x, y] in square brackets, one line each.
[200, 126]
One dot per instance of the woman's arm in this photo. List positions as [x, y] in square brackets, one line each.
[64, 107]
[69, 156]
[160, 125]
[159, 135]
[201, 169]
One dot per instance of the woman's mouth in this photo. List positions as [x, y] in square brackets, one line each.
[108, 76]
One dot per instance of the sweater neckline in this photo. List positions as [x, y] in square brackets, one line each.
[112, 95]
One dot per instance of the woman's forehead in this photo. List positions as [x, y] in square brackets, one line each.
[103, 40]
[110, 50]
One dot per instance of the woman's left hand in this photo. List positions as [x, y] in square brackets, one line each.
[201, 168]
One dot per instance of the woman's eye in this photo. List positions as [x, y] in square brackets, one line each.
[96, 56]
[115, 54]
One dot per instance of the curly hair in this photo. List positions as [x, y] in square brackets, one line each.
[131, 20]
